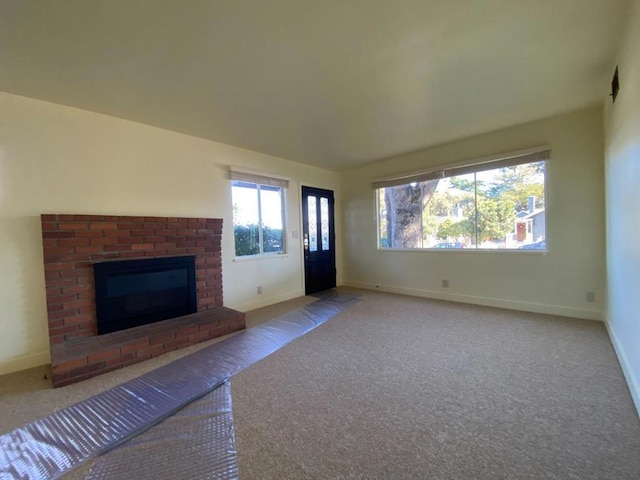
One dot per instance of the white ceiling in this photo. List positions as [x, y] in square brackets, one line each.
[333, 83]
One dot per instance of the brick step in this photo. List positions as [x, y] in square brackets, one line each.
[80, 358]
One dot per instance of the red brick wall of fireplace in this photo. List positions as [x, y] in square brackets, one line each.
[73, 243]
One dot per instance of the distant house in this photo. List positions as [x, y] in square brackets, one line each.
[530, 227]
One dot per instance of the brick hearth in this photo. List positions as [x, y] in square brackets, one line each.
[73, 243]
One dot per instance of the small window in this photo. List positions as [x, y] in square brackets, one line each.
[258, 218]
[469, 207]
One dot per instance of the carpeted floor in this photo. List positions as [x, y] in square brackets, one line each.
[398, 387]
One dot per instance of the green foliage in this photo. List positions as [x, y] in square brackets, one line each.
[429, 225]
[442, 204]
[449, 229]
[517, 184]
[495, 218]
[247, 240]
[272, 240]
[462, 184]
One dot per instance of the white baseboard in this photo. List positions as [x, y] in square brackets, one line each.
[266, 301]
[632, 382]
[485, 301]
[24, 362]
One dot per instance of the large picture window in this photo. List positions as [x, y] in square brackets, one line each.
[258, 215]
[496, 204]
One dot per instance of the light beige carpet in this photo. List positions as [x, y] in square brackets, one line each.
[400, 387]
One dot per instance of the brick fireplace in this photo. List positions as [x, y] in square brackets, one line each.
[71, 246]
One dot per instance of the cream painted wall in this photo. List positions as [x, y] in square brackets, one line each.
[622, 122]
[56, 159]
[555, 282]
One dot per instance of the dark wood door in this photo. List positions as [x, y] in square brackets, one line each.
[319, 239]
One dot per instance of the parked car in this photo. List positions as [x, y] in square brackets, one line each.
[449, 245]
[541, 245]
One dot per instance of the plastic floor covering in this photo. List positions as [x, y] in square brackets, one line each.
[50, 447]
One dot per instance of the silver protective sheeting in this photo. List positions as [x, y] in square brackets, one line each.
[49, 447]
[196, 442]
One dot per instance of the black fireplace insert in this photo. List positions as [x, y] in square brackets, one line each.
[130, 293]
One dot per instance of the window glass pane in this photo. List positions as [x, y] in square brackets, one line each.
[245, 218]
[324, 222]
[522, 187]
[313, 220]
[271, 214]
[450, 215]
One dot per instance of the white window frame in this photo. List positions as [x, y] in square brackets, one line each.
[261, 180]
[521, 157]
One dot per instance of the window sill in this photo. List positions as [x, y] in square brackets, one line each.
[268, 256]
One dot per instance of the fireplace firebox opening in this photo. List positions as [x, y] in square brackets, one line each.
[130, 293]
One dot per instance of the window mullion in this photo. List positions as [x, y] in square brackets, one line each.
[475, 201]
[260, 234]
[422, 216]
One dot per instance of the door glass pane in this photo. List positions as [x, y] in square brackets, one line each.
[324, 222]
[271, 215]
[313, 220]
